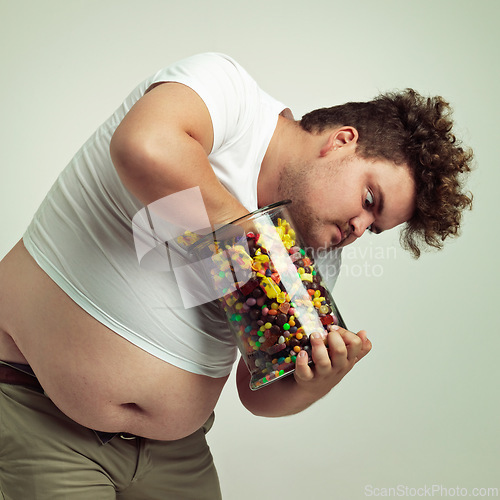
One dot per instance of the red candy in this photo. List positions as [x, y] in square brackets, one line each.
[326, 320]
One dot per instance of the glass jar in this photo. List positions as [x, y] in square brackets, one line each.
[270, 290]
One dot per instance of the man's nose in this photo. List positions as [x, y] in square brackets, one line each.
[360, 223]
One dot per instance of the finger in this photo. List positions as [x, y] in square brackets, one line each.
[303, 371]
[353, 343]
[337, 349]
[320, 354]
[367, 345]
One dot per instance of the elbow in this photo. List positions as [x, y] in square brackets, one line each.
[256, 402]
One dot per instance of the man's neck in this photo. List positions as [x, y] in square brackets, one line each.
[285, 144]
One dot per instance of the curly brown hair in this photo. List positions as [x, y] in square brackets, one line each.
[409, 129]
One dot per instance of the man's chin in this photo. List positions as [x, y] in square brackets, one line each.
[322, 247]
[325, 247]
[345, 242]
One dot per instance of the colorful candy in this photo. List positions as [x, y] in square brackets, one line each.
[274, 312]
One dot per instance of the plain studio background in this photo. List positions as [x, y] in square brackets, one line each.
[422, 409]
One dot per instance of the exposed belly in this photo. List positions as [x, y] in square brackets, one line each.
[93, 375]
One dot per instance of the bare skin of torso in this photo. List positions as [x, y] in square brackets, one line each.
[93, 375]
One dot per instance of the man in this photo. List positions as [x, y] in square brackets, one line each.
[111, 346]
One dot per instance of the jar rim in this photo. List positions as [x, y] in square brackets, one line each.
[260, 210]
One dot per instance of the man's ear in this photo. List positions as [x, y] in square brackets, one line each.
[340, 138]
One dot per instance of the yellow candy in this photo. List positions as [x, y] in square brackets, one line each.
[262, 257]
[256, 265]
[270, 287]
[188, 238]
[288, 242]
[230, 300]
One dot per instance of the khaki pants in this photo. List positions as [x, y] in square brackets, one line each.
[44, 455]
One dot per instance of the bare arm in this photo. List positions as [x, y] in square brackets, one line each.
[162, 146]
[309, 384]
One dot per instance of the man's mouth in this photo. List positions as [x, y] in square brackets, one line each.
[343, 233]
[339, 237]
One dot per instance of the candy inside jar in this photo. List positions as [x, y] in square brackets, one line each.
[271, 291]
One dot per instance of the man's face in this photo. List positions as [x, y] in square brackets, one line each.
[335, 199]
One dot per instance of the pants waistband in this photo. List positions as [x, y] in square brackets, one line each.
[13, 374]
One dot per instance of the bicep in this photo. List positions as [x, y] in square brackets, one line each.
[163, 120]
[161, 147]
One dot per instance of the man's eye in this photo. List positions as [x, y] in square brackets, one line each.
[369, 201]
